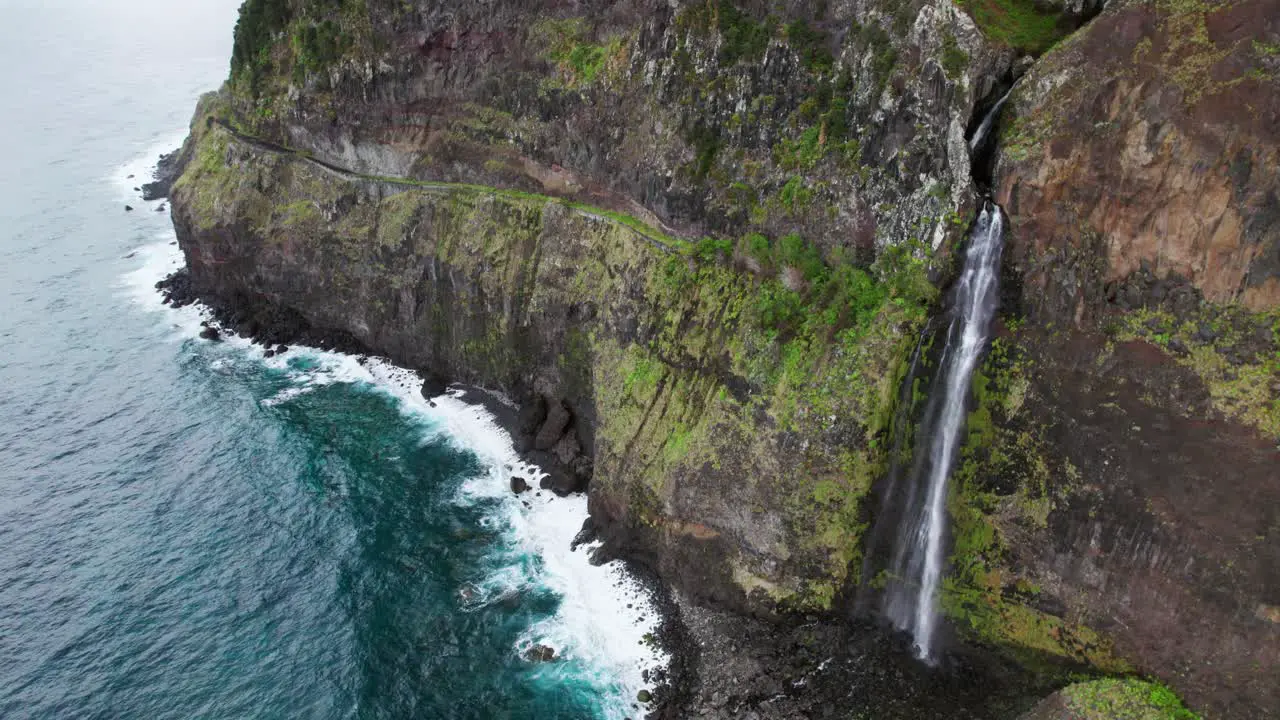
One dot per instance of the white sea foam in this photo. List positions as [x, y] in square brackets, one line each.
[141, 170]
[604, 616]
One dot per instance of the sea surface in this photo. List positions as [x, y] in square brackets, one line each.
[191, 530]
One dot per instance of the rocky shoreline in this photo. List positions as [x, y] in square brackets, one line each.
[276, 329]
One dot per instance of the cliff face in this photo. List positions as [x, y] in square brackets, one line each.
[1137, 164]
[816, 136]
[731, 459]
[1154, 135]
[843, 121]
[509, 194]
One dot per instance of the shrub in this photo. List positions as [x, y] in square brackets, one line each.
[796, 252]
[255, 31]
[794, 195]
[811, 45]
[744, 38]
[954, 60]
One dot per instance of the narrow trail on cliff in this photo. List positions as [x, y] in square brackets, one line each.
[660, 239]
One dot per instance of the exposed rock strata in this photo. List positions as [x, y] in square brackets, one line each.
[1151, 140]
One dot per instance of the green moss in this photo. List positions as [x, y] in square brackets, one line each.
[208, 181]
[795, 195]
[300, 213]
[1240, 390]
[1124, 699]
[1001, 488]
[567, 43]
[1191, 54]
[1021, 24]
[1024, 137]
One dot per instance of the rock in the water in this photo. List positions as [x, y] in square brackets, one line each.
[282, 349]
[433, 385]
[128, 208]
[560, 481]
[161, 207]
[644, 696]
[519, 484]
[169, 167]
[540, 653]
[210, 333]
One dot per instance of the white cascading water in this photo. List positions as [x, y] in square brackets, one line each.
[911, 604]
[984, 128]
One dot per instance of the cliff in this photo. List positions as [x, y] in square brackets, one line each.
[732, 455]
[708, 237]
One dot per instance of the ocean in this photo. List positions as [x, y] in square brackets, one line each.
[191, 529]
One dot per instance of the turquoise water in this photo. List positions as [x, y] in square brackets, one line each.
[189, 529]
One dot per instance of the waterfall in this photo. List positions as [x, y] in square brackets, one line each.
[985, 126]
[916, 565]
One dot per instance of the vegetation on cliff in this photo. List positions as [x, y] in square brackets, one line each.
[1113, 699]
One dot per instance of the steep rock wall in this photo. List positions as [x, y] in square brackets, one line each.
[1154, 134]
[1122, 468]
[844, 121]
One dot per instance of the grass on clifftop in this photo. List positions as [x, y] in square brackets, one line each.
[1020, 24]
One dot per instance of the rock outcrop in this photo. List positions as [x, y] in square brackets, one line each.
[1150, 140]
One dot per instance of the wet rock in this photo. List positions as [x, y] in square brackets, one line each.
[540, 653]
[644, 696]
[433, 385]
[161, 208]
[211, 333]
[568, 449]
[128, 208]
[518, 484]
[560, 481]
[168, 169]
[282, 349]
